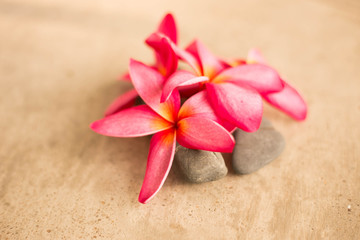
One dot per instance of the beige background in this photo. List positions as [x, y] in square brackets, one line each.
[59, 180]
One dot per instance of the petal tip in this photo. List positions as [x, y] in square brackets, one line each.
[230, 148]
[251, 129]
[169, 15]
[131, 61]
[142, 199]
[94, 125]
[302, 116]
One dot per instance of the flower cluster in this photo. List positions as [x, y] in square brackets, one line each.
[218, 97]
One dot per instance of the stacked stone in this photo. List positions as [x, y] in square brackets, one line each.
[252, 152]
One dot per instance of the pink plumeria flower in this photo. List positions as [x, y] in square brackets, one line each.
[288, 99]
[166, 62]
[191, 126]
[234, 92]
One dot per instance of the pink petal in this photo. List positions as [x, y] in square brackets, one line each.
[255, 56]
[166, 59]
[132, 122]
[160, 158]
[240, 105]
[182, 54]
[149, 83]
[261, 77]
[125, 77]
[199, 106]
[210, 64]
[289, 101]
[187, 57]
[204, 134]
[125, 100]
[168, 27]
[180, 78]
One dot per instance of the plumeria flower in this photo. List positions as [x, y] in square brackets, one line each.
[166, 62]
[193, 126]
[234, 92]
[288, 99]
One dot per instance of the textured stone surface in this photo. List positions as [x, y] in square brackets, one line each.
[200, 166]
[254, 150]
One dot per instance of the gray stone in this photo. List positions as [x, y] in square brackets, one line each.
[200, 166]
[254, 150]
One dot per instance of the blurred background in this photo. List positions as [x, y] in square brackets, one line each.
[59, 64]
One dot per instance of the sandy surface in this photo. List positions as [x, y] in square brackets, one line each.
[58, 66]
